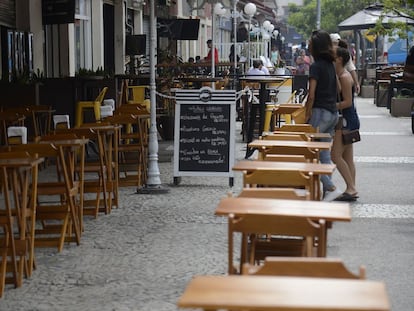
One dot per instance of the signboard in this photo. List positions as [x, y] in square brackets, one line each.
[205, 133]
[58, 12]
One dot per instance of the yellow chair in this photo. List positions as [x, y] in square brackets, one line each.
[95, 104]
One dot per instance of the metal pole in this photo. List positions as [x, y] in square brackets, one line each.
[153, 184]
[248, 43]
[213, 46]
[235, 41]
[318, 14]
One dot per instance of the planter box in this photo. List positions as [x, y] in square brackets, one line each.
[401, 107]
[367, 91]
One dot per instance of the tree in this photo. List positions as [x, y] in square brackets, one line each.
[332, 13]
[400, 8]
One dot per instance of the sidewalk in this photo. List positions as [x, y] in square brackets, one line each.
[142, 255]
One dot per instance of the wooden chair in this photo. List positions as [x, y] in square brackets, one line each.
[301, 266]
[8, 118]
[58, 205]
[81, 106]
[29, 119]
[275, 193]
[267, 235]
[132, 148]
[61, 122]
[17, 135]
[42, 118]
[99, 175]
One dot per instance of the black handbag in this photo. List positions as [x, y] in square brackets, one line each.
[350, 136]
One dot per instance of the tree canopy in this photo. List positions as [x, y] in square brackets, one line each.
[303, 18]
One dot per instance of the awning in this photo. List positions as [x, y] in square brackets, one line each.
[368, 17]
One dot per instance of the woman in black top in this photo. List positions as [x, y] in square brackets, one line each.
[321, 111]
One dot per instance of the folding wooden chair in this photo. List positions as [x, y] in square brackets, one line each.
[58, 205]
[275, 235]
[99, 175]
[132, 147]
[304, 267]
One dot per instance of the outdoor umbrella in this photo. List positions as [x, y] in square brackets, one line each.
[368, 17]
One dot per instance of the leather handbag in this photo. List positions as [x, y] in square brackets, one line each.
[350, 136]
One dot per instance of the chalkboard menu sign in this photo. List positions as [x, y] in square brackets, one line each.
[204, 136]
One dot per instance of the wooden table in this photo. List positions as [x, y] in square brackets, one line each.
[312, 169]
[329, 211]
[313, 210]
[275, 293]
[261, 107]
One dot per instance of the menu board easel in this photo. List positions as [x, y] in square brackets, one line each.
[204, 133]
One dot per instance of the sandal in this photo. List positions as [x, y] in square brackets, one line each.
[346, 197]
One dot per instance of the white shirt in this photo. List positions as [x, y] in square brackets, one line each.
[255, 72]
[265, 70]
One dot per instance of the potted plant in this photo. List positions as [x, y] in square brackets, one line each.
[280, 67]
[402, 104]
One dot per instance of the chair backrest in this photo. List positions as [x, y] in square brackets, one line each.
[275, 193]
[297, 128]
[137, 93]
[285, 157]
[134, 109]
[61, 121]
[282, 136]
[304, 267]
[285, 179]
[101, 95]
[299, 116]
[123, 94]
[17, 135]
[254, 225]
[310, 155]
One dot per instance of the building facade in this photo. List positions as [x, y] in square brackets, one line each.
[62, 38]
